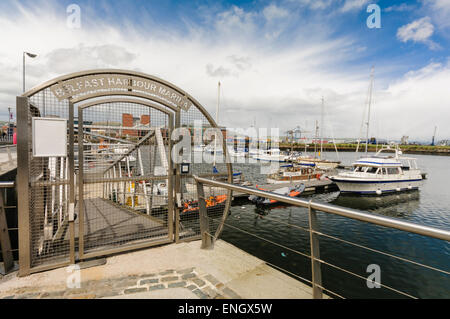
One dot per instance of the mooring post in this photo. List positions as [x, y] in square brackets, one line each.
[316, 272]
[203, 215]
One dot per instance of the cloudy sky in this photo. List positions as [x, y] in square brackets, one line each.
[275, 59]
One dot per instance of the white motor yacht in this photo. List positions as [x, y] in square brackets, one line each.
[271, 155]
[380, 174]
[236, 153]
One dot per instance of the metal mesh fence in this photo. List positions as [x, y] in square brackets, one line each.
[48, 195]
[208, 160]
[122, 178]
[125, 175]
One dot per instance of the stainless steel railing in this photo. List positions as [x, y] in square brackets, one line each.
[313, 207]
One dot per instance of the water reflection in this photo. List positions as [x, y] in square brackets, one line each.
[401, 205]
[429, 206]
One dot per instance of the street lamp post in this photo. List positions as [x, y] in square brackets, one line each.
[31, 55]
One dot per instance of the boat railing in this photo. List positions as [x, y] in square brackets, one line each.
[315, 234]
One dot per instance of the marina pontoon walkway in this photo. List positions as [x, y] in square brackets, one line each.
[107, 224]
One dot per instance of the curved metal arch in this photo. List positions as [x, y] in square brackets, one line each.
[75, 75]
[125, 100]
[118, 93]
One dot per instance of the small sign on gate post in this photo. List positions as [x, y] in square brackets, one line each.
[49, 137]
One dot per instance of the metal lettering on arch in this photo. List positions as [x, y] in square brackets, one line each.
[68, 88]
[118, 188]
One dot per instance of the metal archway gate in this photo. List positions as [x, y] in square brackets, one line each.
[118, 188]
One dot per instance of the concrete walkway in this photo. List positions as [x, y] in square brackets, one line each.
[181, 271]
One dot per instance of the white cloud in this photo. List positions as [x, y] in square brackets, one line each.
[439, 10]
[317, 4]
[414, 104]
[272, 12]
[236, 22]
[419, 30]
[351, 5]
[399, 8]
[278, 84]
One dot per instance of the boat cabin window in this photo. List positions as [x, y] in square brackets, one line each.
[358, 169]
[392, 170]
[372, 170]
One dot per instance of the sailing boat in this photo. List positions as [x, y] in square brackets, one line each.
[318, 161]
[369, 104]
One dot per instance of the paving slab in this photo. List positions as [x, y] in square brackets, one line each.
[223, 269]
[172, 293]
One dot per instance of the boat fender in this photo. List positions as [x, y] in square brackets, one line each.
[378, 192]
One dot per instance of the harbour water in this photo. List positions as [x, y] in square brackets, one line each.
[429, 206]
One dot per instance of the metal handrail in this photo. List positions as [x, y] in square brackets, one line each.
[7, 184]
[316, 261]
[337, 210]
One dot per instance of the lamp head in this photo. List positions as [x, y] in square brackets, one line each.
[31, 55]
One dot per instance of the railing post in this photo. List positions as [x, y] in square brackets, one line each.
[203, 215]
[315, 254]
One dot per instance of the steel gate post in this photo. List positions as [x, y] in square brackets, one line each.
[80, 183]
[23, 209]
[177, 189]
[71, 204]
[170, 193]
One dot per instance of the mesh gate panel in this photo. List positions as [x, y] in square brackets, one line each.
[121, 151]
[49, 192]
[203, 164]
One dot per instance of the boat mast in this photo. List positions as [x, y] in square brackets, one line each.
[315, 138]
[369, 105]
[321, 129]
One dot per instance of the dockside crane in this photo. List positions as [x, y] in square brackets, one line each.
[434, 135]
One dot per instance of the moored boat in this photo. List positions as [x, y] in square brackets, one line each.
[380, 174]
[317, 162]
[212, 203]
[292, 173]
[271, 155]
[295, 191]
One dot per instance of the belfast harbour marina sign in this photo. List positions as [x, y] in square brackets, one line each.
[107, 82]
